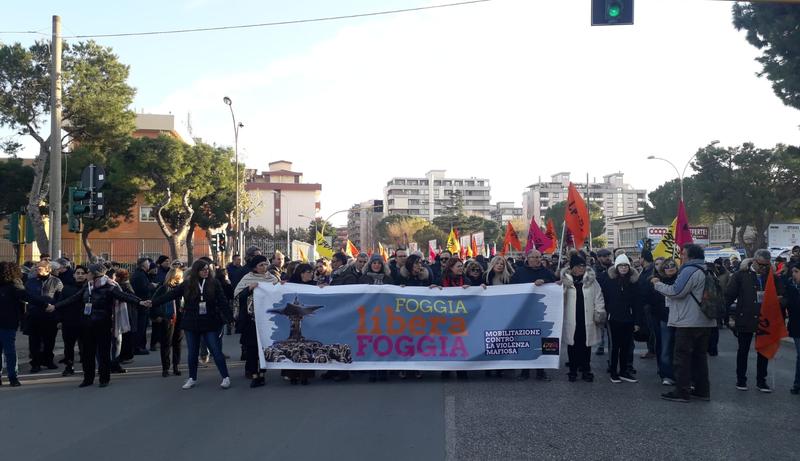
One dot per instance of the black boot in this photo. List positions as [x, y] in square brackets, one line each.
[68, 371]
[14, 382]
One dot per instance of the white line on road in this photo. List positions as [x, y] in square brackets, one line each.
[450, 427]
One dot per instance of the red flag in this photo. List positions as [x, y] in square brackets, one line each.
[771, 326]
[682, 233]
[551, 234]
[536, 238]
[576, 216]
[431, 250]
[510, 239]
[473, 246]
[494, 249]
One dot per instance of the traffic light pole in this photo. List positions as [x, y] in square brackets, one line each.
[55, 140]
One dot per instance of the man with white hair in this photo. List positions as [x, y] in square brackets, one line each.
[42, 324]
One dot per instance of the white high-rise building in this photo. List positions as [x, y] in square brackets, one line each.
[613, 196]
[429, 197]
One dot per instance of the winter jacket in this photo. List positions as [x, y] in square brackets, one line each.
[684, 311]
[659, 304]
[49, 288]
[622, 299]
[349, 276]
[526, 274]
[742, 288]
[102, 295]
[163, 310]
[375, 278]
[592, 302]
[423, 279]
[70, 314]
[792, 297]
[12, 295]
[218, 311]
[141, 284]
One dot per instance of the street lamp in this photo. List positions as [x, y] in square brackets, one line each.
[285, 212]
[680, 174]
[237, 211]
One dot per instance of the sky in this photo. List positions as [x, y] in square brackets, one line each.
[509, 90]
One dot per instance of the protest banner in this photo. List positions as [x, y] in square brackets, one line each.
[383, 327]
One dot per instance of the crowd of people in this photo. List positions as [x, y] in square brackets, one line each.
[610, 302]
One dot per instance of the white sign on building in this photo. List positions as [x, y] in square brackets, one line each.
[700, 235]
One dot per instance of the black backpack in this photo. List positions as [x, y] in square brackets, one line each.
[713, 303]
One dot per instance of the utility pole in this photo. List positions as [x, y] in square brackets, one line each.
[55, 140]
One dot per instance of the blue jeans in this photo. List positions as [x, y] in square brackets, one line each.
[8, 338]
[666, 352]
[214, 343]
[797, 364]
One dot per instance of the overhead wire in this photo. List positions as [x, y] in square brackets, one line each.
[279, 23]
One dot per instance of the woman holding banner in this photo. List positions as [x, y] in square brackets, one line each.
[499, 273]
[584, 313]
[246, 322]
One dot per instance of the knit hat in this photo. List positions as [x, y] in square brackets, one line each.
[576, 260]
[256, 260]
[603, 252]
[622, 259]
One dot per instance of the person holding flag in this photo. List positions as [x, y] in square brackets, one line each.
[747, 287]
[792, 284]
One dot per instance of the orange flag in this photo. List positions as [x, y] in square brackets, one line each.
[551, 234]
[473, 247]
[511, 239]
[351, 249]
[576, 215]
[382, 252]
[771, 326]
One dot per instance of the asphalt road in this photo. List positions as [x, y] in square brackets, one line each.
[144, 416]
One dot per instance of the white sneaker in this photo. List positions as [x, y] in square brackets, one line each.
[667, 382]
[190, 383]
[226, 383]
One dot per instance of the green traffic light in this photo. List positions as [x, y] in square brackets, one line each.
[614, 10]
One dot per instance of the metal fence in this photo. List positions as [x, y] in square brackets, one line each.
[128, 250]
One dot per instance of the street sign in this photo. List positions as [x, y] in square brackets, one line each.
[93, 177]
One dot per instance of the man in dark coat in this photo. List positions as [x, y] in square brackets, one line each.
[142, 288]
[42, 323]
[533, 272]
[746, 287]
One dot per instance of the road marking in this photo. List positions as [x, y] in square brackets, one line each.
[450, 427]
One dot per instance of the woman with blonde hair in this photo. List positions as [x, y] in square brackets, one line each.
[499, 271]
[165, 318]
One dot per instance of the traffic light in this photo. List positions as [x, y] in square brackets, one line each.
[214, 242]
[11, 228]
[79, 201]
[221, 242]
[612, 12]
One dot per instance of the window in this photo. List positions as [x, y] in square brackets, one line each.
[147, 214]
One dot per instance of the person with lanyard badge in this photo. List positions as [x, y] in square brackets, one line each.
[205, 311]
[746, 288]
[100, 296]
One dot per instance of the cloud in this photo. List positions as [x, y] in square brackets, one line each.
[509, 90]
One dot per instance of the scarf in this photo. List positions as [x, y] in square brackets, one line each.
[377, 278]
[248, 279]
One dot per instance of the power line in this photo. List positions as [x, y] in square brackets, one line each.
[281, 23]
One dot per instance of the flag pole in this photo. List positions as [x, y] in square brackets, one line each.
[563, 227]
[589, 207]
